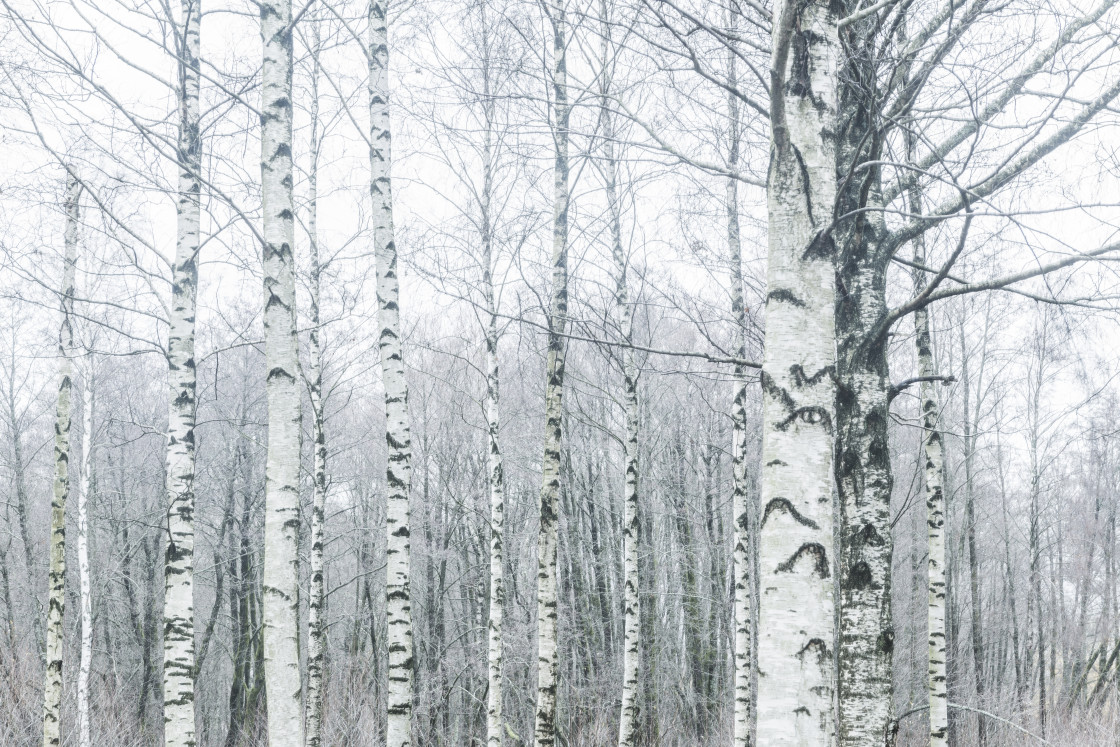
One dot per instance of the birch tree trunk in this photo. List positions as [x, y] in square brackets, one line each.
[632, 648]
[398, 475]
[316, 629]
[56, 600]
[280, 583]
[493, 424]
[497, 505]
[863, 467]
[544, 728]
[933, 466]
[796, 607]
[178, 601]
[85, 600]
[744, 535]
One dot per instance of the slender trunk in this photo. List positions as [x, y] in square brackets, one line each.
[178, 604]
[493, 427]
[280, 581]
[85, 599]
[544, 728]
[1035, 532]
[56, 600]
[744, 542]
[22, 502]
[628, 730]
[797, 624]
[316, 624]
[398, 476]
[933, 461]
[971, 424]
[632, 641]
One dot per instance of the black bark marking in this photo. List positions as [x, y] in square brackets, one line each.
[783, 504]
[814, 549]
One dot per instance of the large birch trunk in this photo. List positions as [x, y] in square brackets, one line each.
[544, 728]
[316, 628]
[864, 480]
[56, 599]
[280, 582]
[398, 475]
[178, 602]
[796, 606]
[84, 590]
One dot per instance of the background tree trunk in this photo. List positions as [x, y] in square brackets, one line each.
[56, 600]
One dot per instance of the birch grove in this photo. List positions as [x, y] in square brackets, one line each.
[677, 373]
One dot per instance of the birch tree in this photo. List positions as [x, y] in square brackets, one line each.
[628, 730]
[178, 601]
[280, 581]
[494, 660]
[85, 490]
[56, 599]
[544, 728]
[934, 478]
[316, 624]
[398, 472]
[744, 531]
[796, 606]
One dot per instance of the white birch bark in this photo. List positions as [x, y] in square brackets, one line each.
[934, 476]
[741, 557]
[935, 521]
[84, 592]
[497, 513]
[494, 670]
[632, 636]
[632, 648]
[796, 607]
[56, 600]
[544, 727]
[178, 601]
[398, 473]
[280, 583]
[316, 629]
